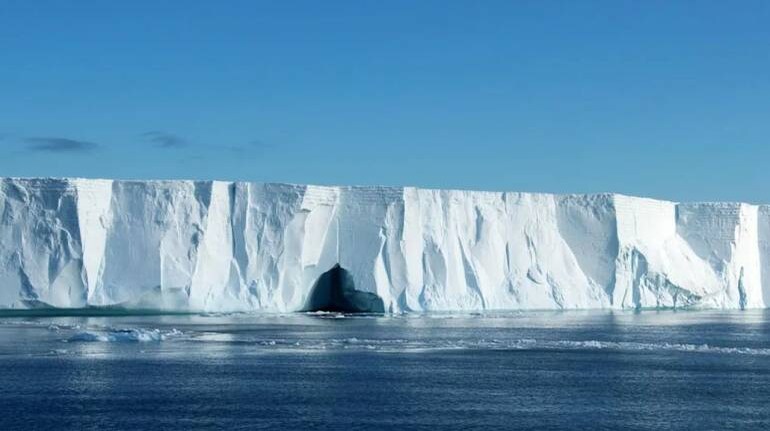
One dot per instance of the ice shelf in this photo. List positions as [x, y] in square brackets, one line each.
[237, 246]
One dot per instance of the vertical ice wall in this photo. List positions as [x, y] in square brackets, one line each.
[203, 245]
[763, 239]
[703, 254]
[40, 245]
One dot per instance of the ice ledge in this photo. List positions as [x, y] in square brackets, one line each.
[220, 245]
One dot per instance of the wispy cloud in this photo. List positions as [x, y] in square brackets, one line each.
[165, 139]
[59, 145]
[254, 147]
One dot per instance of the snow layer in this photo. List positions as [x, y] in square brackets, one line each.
[223, 246]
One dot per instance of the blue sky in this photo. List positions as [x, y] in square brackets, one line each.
[655, 98]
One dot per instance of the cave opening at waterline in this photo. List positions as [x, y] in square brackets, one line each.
[335, 291]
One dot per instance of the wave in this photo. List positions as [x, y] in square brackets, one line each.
[131, 335]
[420, 345]
[637, 346]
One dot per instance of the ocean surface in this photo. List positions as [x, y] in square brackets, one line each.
[531, 370]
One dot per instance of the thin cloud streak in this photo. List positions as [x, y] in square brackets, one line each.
[59, 145]
[254, 147]
[164, 139]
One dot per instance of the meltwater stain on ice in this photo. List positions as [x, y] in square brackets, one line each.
[335, 291]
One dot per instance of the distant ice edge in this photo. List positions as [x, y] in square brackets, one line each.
[224, 246]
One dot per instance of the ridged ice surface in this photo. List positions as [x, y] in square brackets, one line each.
[224, 246]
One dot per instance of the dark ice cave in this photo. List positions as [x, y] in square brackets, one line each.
[335, 291]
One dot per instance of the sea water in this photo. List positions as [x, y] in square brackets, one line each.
[651, 370]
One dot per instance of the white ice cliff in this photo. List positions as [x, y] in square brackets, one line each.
[223, 246]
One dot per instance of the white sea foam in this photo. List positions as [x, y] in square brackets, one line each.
[525, 344]
[650, 347]
[131, 335]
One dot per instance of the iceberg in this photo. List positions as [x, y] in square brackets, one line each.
[238, 246]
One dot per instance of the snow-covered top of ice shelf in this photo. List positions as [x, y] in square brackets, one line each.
[65, 182]
[54, 182]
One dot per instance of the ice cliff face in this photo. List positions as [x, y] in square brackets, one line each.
[216, 246]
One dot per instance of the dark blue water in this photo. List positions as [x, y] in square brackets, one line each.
[654, 370]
